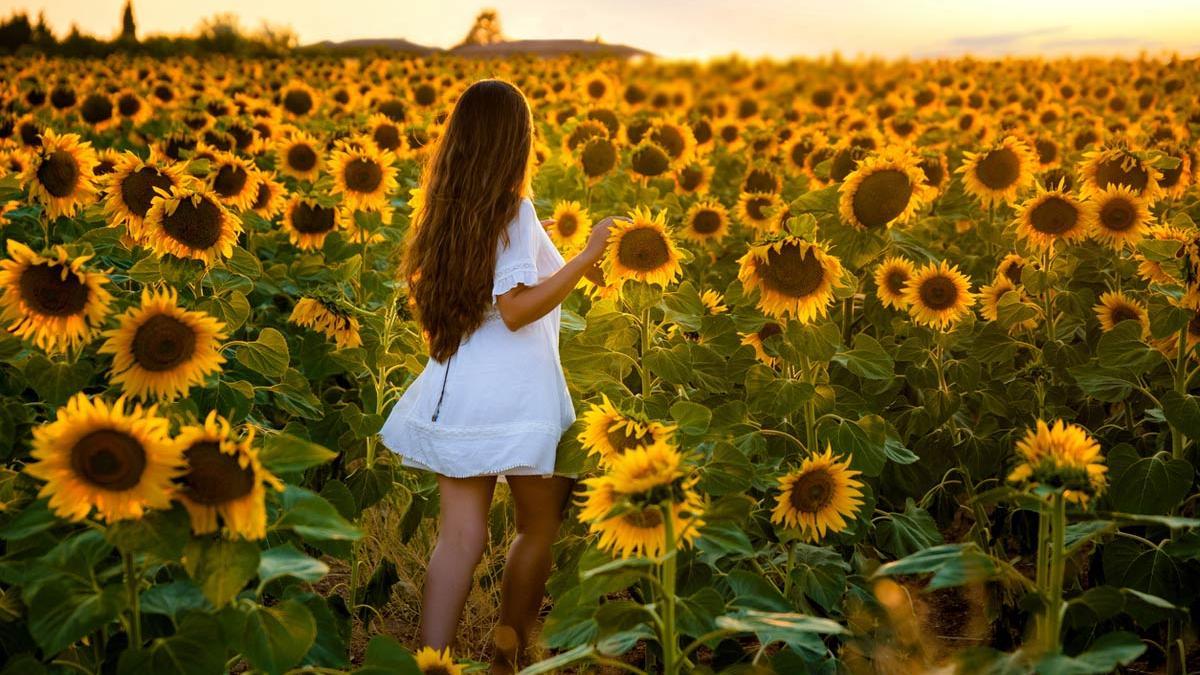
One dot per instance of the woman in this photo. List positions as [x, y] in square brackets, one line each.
[487, 282]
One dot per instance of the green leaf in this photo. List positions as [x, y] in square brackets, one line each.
[724, 538]
[173, 598]
[1103, 383]
[823, 200]
[34, 518]
[903, 534]
[232, 310]
[160, 533]
[63, 610]
[244, 263]
[288, 561]
[57, 381]
[820, 573]
[370, 485]
[196, 648]
[219, 567]
[268, 355]
[1152, 485]
[558, 662]
[786, 627]
[1122, 348]
[274, 639]
[753, 591]
[1182, 412]
[310, 516]
[868, 359]
[285, 453]
[950, 564]
[385, 656]
[692, 418]
[1105, 654]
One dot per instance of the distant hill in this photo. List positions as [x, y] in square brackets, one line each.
[544, 48]
[383, 44]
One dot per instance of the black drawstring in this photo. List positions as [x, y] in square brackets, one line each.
[445, 377]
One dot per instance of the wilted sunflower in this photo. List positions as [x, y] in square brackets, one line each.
[161, 349]
[1115, 167]
[642, 249]
[883, 190]
[60, 175]
[706, 221]
[299, 156]
[637, 529]
[1012, 266]
[1120, 217]
[1063, 457]
[1115, 307]
[998, 174]
[822, 496]
[1051, 217]
[1152, 270]
[51, 300]
[609, 433]
[990, 296]
[327, 318]
[648, 160]
[133, 185]
[757, 210]
[597, 157]
[191, 223]
[939, 295]
[758, 338]
[224, 478]
[307, 222]
[100, 456]
[891, 276]
[433, 662]
[364, 177]
[793, 277]
[571, 225]
[269, 201]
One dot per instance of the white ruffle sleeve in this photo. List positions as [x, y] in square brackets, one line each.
[516, 262]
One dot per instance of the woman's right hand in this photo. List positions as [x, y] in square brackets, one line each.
[597, 241]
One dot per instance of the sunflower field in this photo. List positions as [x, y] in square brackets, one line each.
[892, 367]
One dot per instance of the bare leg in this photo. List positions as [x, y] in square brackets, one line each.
[540, 502]
[462, 538]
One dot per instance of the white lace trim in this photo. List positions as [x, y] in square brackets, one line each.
[508, 278]
[415, 463]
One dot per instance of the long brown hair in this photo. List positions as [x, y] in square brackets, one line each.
[473, 185]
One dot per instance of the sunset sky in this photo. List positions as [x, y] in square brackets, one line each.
[698, 28]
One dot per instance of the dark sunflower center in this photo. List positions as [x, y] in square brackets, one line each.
[1047, 150]
[435, 670]
[163, 343]
[128, 105]
[1117, 215]
[690, 178]
[621, 438]
[298, 102]
[137, 189]
[650, 160]
[109, 459]
[760, 181]
[769, 330]
[45, 291]
[96, 108]
[643, 249]
[386, 136]
[999, 169]
[1124, 312]
[596, 89]
[671, 140]
[881, 197]
[598, 158]
[1013, 272]
[362, 175]
[59, 173]
[896, 280]
[263, 197]
[1054, 215]
[932, 168]
[195, 225]
[706, 221]
[567, 224]
[812, 491]
[757, 207]
[312, 218]
[938, 293]
[1115, 171]
[230, 181]
[301, 157]
[215, 477]
[646, 519]
[791, 272]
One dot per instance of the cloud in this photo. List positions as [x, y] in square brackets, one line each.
[1091, 43]
[994, 41]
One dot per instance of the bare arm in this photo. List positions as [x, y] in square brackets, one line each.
[523, 305]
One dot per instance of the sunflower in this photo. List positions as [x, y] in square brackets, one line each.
[161, 349]
[571, 225]
[298, 99]
[1050, 217]
[298, 155]
[385, 134]
[191, 223]
[596, 87]
[713, 302]
[597, 157]
[609, 433]
[1012, 266]
[649, 160]
[1151, 270]
[757, 210]
[307, 222]
[1119, 216]
[883, 190]
[60, 175]
[641, 248]
[998, 174]
[99, 456]
[706, 221]
[234, 181]
[639, 470]
[939, 295]
[793, 276]
[1115, 307]
[1063, 457]
[637, 529]
[51, 300]
[758, 340]
[693, 178]
[583, 132]
[797, 151]
[1119, 167]
[364, 178]
[891, 276]
[269, 201]
[822, 496]
[676, 139]
[133, 185]
[329, 319]
[433, 662]
[224, 478]
[1174, 183]
[990, 296]
[132, 107]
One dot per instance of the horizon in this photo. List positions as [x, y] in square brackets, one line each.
[760, 28]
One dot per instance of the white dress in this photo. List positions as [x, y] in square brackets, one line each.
[500, 404]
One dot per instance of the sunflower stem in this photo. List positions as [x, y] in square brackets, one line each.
[131, 583]
[644, 371]
[1054, 583]
[1178, 440]
[670, 642]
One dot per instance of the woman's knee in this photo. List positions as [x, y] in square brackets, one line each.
[466, 540]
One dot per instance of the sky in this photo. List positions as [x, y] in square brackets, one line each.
[697, 28]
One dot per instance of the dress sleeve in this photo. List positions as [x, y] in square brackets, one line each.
[516, 262]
